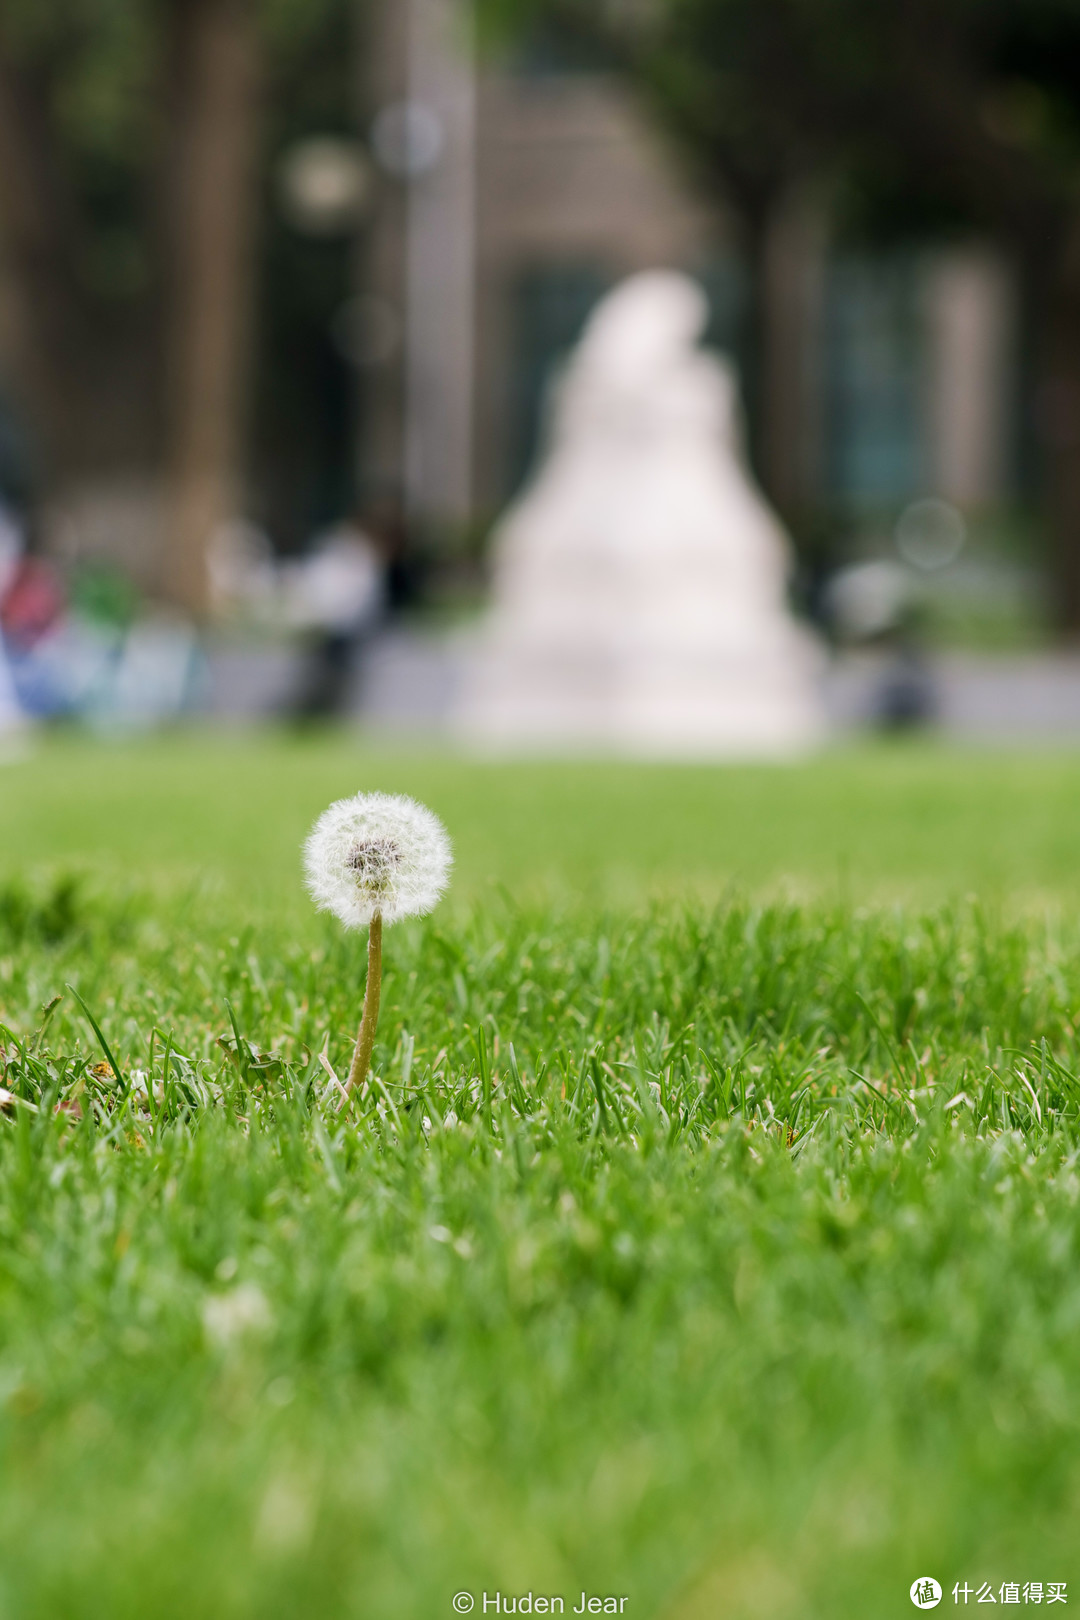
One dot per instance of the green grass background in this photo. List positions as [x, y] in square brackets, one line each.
[912, 821]
[708, 1236]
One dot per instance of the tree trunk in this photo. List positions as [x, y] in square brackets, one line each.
[775, 344]
[1059, 424]
[214, 60]
[381, 269]
[789, 265]
[49, 335]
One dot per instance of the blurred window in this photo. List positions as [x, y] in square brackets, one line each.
[551, 305]
[547, 51]
[874, 371]
[725, 282]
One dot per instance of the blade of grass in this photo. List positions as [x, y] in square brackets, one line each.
[121, 1081]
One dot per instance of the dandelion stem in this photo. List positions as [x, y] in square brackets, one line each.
[369, 1022]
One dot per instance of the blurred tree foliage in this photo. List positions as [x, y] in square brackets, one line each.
[911, 115]
[135, 143]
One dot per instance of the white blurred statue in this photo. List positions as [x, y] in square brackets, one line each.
[640, 581]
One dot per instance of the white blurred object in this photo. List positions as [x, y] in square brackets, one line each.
[338, 587]
[325, 184]
[640, 582]
[868, 599]
[242, 570]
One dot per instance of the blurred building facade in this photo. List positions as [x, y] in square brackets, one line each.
[548, 185]
[542, 183]
[510, 195]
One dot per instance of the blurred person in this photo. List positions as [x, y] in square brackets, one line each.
[104, 595]
[11, 715]
[131, 665]
[32, 609]
[59, 655]
[11, 545]
[336, 597]
[875, 605]
[384, 521]
[93, 653]
[243, 572]
[67, 642]
[32, 605]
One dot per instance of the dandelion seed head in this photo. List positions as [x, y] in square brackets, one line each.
[377, 852]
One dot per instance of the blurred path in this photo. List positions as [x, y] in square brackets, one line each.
[1012, 698]
[409, 680]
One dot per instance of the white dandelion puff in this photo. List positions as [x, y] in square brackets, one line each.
[377, 853]
[372, 859]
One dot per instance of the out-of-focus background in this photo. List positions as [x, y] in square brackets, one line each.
[597, 381]
[292, 301]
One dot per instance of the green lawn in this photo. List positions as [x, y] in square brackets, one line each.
[896, 821]
[708, 1237]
